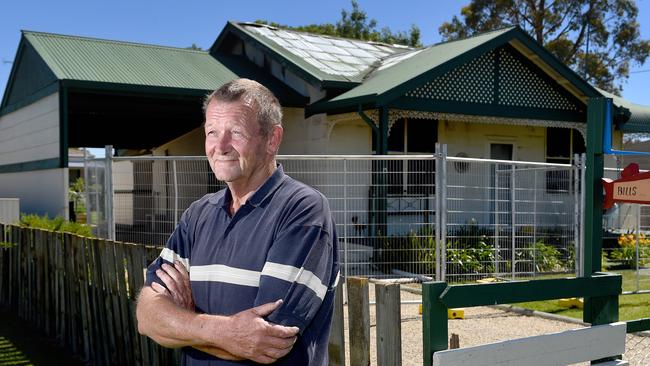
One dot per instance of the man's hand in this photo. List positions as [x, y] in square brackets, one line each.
[249, 335]
[177, 280]
[253, 338]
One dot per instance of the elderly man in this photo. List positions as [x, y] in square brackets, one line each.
[249, 274]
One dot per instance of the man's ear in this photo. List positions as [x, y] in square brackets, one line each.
[275, 139]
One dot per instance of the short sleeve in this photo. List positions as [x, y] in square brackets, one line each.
[301, 267]
[177, 248]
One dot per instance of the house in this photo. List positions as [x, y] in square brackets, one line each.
[496, 95]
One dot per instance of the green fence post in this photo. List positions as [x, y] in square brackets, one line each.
[596, 310]
[434, 320]
[593, 228]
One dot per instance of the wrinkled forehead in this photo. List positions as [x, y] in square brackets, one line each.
[237, 111]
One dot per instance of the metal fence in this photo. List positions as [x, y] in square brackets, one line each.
[511, 219]
[500, 218]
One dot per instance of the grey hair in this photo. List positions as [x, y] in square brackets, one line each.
[269, 112]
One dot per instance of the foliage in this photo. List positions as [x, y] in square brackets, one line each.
[472, 251]
[194, 47]
[416, 254]
[547, 258]
[56, 224]
[76, 194]
[477, 259]
[629, 240]
[355, 24]
[425, 250]
[625, 256]
[600, 37]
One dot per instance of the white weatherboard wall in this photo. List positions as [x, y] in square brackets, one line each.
[9, 210]
[40, 191]
[31, 133]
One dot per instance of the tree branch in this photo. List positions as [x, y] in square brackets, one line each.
[558, 24]
[581, 35]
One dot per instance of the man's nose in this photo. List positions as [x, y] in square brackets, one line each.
[222, 143]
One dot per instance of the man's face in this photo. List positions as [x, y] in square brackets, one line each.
[233, 143]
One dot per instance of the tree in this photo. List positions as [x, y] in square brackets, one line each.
[194, 47]
[599, 39]
[355, 24]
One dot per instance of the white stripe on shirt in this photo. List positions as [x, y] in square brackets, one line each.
[293, 274]
[225, 274]
[170, 256]
[336, 281]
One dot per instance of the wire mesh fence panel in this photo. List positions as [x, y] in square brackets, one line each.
[502, 219]
[637, 349]
[95, 197]
[509, 219]
[150, 195]
[384, 210]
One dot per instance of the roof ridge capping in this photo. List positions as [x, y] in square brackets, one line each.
[394, 45]
[111, 41]
[396, 58]
[504, 28]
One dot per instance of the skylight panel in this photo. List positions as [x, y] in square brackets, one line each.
[314, 39]
[298, 52]
[323, 56]
[351, 60]
[365, 46]
[361, 53]
[340, 66]
[330, 48]
[286, 35]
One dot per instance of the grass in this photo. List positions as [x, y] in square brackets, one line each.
[11, 355]
[631, 307]
[22, 344]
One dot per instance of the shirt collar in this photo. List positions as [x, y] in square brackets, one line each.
[266, 189]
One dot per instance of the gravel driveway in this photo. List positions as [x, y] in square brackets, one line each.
[481, 325]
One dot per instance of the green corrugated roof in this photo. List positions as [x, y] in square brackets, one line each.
[392, 74]
[106, 61]
[323, 58]
[639, 114]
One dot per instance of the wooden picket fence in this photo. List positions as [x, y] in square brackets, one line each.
[81, 291]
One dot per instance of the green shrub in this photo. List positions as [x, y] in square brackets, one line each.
[472, 251]
[415, 253]
[626, 256]
[76, 194]
[55, 224]
[547, 258]
[477, 259]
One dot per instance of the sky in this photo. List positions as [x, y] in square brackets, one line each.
[182, 23]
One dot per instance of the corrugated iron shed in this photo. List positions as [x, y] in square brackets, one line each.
[90, 59]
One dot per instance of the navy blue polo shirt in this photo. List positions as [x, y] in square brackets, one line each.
[281, 244]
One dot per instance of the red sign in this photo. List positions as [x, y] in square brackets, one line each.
[632, 187]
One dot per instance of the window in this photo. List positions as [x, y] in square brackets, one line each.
[561, 145]
[412, 136]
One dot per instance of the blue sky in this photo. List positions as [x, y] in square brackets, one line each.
[181, 23]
